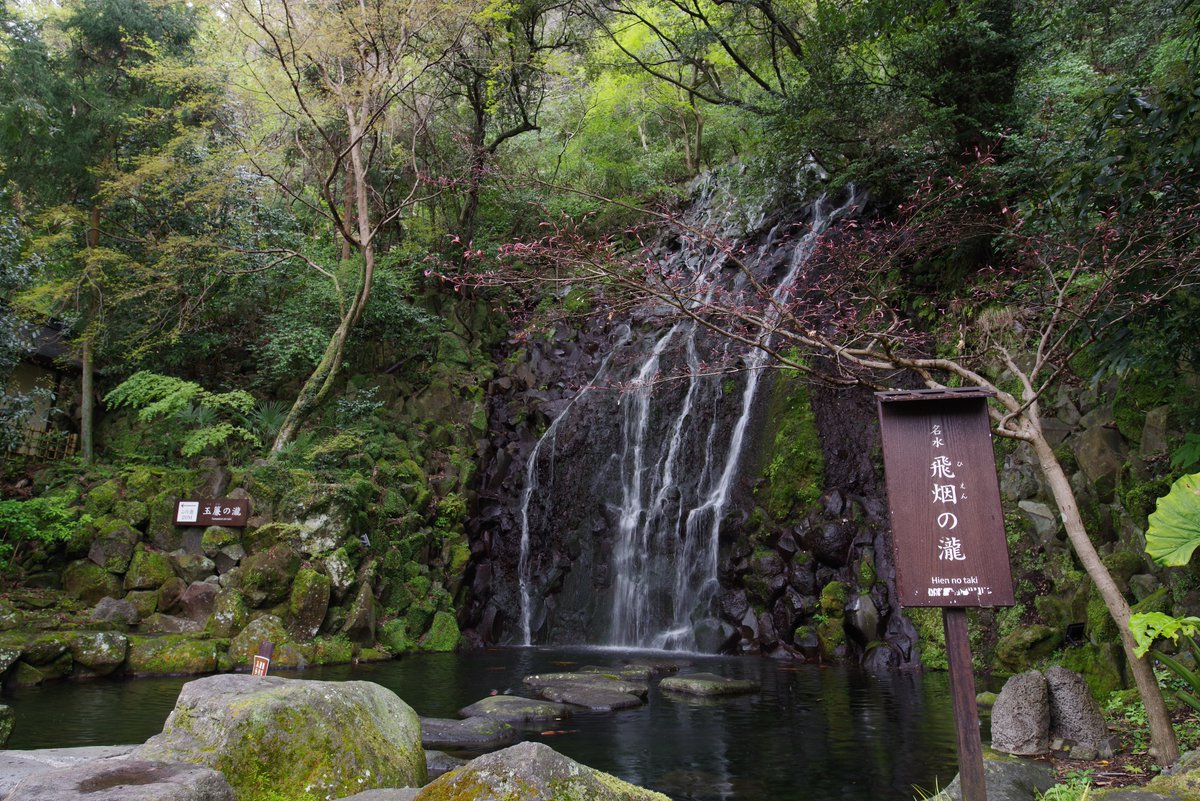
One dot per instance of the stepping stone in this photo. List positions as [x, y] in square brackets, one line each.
[513, 709]
[597, 692]
[473, 734]
[600, 681]
[708, 685]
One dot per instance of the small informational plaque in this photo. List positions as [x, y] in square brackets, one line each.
[232, 512]
[947, 522]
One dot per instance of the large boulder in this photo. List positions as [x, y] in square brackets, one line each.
[171, 655]
[266, 578]
[89, 582]
[531, 772]
[309, 602]
[124, 780]
[299, 738]
[148, 570]
[1021, 716]
[113, 549]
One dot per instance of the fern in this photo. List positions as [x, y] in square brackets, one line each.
[200, 440]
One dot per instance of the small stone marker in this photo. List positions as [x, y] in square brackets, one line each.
[262, 660]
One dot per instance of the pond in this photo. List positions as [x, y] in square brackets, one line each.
[812, 733]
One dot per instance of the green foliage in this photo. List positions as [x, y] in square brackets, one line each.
[35, 524]
[1077, 786]
[155, 396]
[1187, 455]
[1174, 528]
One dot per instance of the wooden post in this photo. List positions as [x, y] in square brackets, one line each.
[966, 714]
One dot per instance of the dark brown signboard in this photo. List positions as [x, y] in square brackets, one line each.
[947, 523]
[233, 512]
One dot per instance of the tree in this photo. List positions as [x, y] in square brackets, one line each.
[321, 83]
[76, 108]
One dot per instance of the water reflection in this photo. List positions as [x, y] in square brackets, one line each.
[812, 733]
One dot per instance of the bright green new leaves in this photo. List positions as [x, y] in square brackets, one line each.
[1174, 527]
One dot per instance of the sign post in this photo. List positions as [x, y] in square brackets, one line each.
[947, 531]
[231, 512]
[262, 660]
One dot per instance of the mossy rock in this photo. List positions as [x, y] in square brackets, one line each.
[89, 582]
[267, 628]
[1100, 665]
[145, 602]
[277, 738]
[331, 651]
[99, 653]
[266, 578]
[102, 498]
[361, 617]
[309, 602]
[1122, 565]
[1100, 625]
[1024, 647]
[172, 655]
[229, 613]
[794, 470]
[148, 570]
[393, 635]
[443, 634]
[1157, 601]
[833, 599]
[217, 537]
[531, 772]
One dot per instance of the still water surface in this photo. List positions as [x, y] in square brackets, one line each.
[812, 734]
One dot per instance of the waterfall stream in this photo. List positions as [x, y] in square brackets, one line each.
[677, 457]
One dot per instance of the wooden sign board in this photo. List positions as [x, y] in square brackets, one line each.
[947, 523]
[233, 512]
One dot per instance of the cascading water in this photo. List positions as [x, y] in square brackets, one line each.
[666, 485]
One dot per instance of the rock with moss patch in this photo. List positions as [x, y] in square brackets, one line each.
[1007, 779]
[148, 570]
[531, 772]
[99, 652]
[171, 655]
[267, 628]
[229, 614]
[514, 709]
[295, 738]
[114, 611]
[217, 537]
[309, 602]
[192, 567]
[708, 684]
[443, 634]
[393, 635]
[7, 719]
[89, 582]
[266, 578]
[113, 548]
[360, 619]
[472, 734]
[144, 601]
[159, 623]
[340, 570]
[1025, 646]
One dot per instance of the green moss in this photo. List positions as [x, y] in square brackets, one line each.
[172, 655]
[1100, 666]
[331, 650]
[443, 634]
[148, 570]
[833, 598]
[1026, 646]
[393, 635]
[795, 468]
[931, 636]
[1100, 625]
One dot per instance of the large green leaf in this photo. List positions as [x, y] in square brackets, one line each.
[1174, 530]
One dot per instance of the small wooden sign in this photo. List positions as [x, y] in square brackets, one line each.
[947, 522]
[233, 512]
[262, 660]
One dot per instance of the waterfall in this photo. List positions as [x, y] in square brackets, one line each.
[666, 548]
[620, 510]
[524, 579]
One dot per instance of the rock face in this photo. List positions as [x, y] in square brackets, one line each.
[1021, 716]
[125, 780]
[297, 737]
[531, 772]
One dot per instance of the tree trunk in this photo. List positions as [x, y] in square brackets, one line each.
[1163, 745]
[318, 385]
[87, 356]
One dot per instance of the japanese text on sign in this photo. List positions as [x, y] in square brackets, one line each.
[212, 512]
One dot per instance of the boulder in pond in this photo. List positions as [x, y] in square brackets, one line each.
[1021, 716]
[124, 780]
[298, 737]
[531, 772]
[514, 709]
[708, 685]
[99, 652]
[473, 734]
